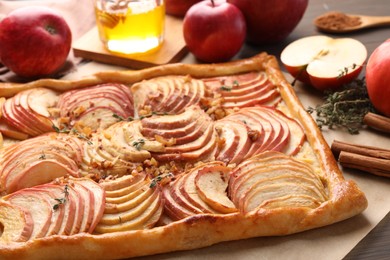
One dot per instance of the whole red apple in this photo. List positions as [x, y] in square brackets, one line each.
[34, 41]
[214, 31]
[378, 78]
[270, 21]
[179, 7]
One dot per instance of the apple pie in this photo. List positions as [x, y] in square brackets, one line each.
[175, 157]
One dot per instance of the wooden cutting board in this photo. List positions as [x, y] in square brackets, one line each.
[172, 50]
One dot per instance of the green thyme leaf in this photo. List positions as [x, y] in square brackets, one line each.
[345, 108]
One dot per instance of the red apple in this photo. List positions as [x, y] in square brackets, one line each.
[214, 31]
[270, 21]
[378, 78]
[179, 7]
[34, 41]
[324, 62]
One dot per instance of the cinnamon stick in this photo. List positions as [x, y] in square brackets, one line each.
[377, 122]
[376, 166]
[370, 159]
[376, 152]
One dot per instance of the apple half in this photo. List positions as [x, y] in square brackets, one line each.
[324, 62]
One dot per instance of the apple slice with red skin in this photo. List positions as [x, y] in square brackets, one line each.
[43, 123]
[16, 119]
[234, 142]
[37, 206]
[240, 84]
[267, 166]
[35, 173]
[211, 184]
[71, 205]
[40, 100]
[324, 62]
[10, 131]
[97, 200]
[168, 94]
[17, 223]
[173, 209]
[189, 191]
[178, 195]
[255, 197]
[52, 192]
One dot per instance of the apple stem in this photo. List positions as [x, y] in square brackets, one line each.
[212, 2]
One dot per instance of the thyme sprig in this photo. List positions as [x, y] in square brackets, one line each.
[138, 144]
[229, 88]
[344, 108]
[61, 201]
[72, 131]
[159, 178]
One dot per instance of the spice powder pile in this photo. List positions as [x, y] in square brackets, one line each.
[337, 21]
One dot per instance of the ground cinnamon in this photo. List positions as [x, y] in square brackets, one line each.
[337, 21]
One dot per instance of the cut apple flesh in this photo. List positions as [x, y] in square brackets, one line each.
[17, 225]
[323, 61]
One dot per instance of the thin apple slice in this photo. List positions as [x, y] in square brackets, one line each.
[257, 196]
[43, 123]
[41, 99]
[324, 62]
[291, 201]
[17, 224]
[97, 199]
[37, 206]
[189, 191]
[173, 209]
[164, 94]
[37, 173]
[129, 214]
[114, 187]
[135, 198]
[266, 165]
[69, 200]
[52, 192]
[132, 191]
[14, 119]
[10, 131]
[211, 184]
[144, 216]
[180, 198]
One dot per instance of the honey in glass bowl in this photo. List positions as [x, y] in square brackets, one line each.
[130, 26]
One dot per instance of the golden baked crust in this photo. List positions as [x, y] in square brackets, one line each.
[344, 199]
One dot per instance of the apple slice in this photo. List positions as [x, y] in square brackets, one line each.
[41, 99]
[144, 216]
[96, 203]
[37, 173]
[37, 206]
[324, 62]
[10, 131]
[167, 94]
[211, 184]
[17, 224]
